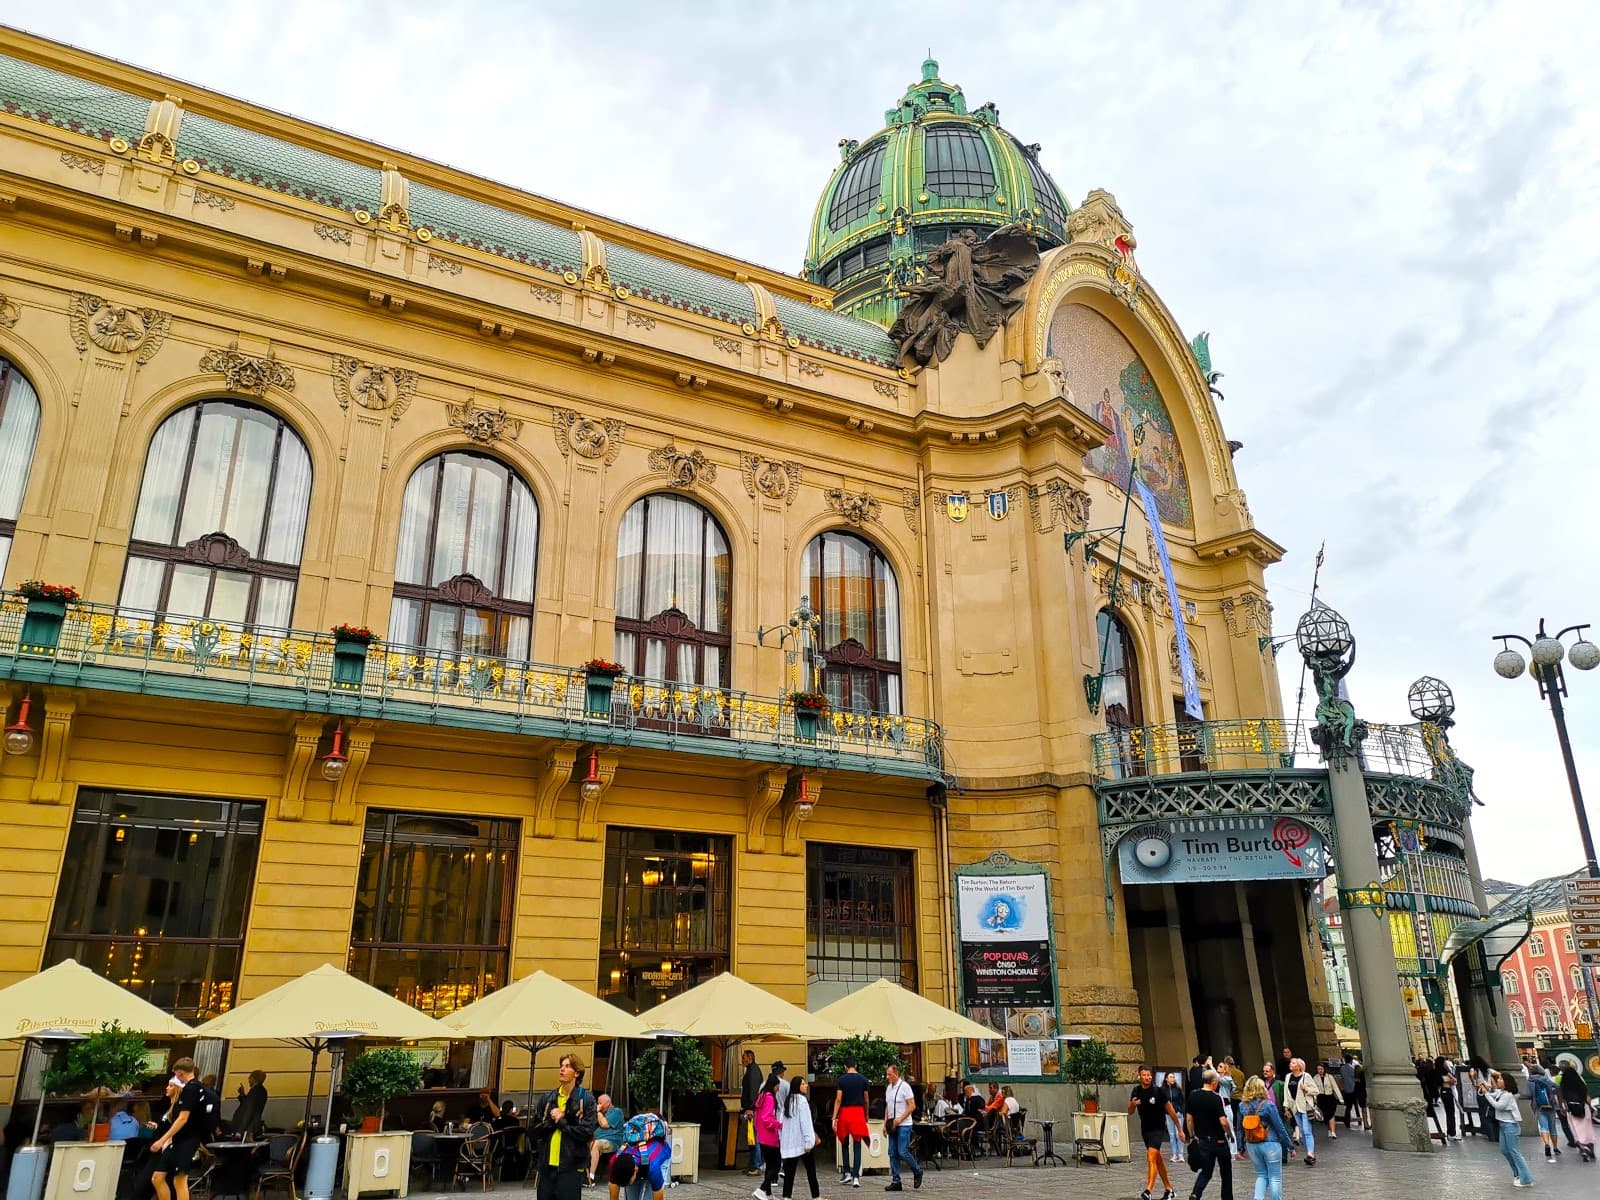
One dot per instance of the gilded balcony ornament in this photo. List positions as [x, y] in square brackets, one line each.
[373, 387]
[117, 328]
[251, 374]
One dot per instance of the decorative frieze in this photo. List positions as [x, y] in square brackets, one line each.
[684, 468]
[891, 390]
[639, 320]
[806, 367]
[214, 200]
[448, 265]
[770, 478]
[331, 233]
[84, 163]
[374, 387]
[483, 424]
[727, 345]
[588, 437]
[116, 328]
[1058, 501]
[546, 295]
[911, 503]
[1247, 614]
[251, 374]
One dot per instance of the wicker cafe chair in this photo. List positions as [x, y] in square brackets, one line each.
[961, 1135]
[1019, 1144]
[283, 1159]
[477, 1157]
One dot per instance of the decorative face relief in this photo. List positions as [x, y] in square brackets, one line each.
[1111, 383]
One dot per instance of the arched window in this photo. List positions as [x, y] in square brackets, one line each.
[1550, 1017]
[1519, 1023]
[1120, 701]
[1576, 974]
[1541, 979]
[957, 162]
[1566, 941]
[1536, 945]
[464, 569]
[853, 591]
[1510, 983]
[858, 188]
[221, 517]
[674, 579]
[19, 432]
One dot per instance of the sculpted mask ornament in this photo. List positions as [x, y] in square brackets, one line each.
[770, 478]
[116, 328]
[588, 437]
[684, 468]
[967, 286]
[483, 424]
[373, 387]
[248, 373]
[857, 508]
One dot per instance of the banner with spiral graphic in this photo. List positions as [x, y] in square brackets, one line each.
[1204, 849]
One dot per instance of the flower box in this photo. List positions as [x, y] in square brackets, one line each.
[597, 689]
[41, 626]
[350, 648]
[809, 709]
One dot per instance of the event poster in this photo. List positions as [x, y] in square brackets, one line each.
[1008, 973]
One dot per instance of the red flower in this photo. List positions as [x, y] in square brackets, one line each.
[36, 589]
[602, 666]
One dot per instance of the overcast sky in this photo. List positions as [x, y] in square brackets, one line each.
[1387, 215]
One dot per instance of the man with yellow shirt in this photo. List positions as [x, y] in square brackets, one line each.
[565, 1123]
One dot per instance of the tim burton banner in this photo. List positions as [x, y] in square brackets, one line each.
[1203, 849]
[1008, 973]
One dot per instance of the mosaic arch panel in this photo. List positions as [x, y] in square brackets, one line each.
[1111, 383]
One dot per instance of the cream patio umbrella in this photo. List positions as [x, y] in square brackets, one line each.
[892, 1012]
[67, 1002]
[324, 1007]
[539, 1011]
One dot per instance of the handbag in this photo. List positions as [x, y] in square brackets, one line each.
[1194, 1154]
[1577, 1108]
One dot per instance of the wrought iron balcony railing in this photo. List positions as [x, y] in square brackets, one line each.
[130, 650]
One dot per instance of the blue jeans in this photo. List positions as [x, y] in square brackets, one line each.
[850, 1157]
[1307, 1125]
[1510, 1132]
[1172, 1136]
[900, 1151]
[1267, 1158]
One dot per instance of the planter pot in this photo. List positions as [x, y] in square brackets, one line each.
[597, 689]
[349, 662]
[377, 1162]
[805, 724]
[371, 1124]
[84, 1171]
[41, 626]
[1090, 1105]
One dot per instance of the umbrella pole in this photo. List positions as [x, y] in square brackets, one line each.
[533, 1065]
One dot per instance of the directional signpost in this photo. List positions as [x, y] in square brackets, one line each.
[1583, 910]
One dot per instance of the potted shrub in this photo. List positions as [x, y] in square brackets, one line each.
[871, 1054]
[1091, 1066]
[375, 1078]
[808, 710]
[599, 678]
[350, 645]
[688, 1073]
[47, 608]
[102, 1064]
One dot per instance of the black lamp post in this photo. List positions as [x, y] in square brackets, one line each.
[1547, 651]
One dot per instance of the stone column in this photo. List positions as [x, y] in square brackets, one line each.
[1488, 1021]
[1399, 1116]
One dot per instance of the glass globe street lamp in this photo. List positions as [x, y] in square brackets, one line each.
[1547, 652]
[1431, 700]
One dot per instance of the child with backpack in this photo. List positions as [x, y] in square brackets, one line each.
[1542, 1095]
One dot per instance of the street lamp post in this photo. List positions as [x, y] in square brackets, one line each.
[1399, 1116]
[1547, 652]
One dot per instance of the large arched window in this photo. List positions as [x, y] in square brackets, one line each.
[1120, 700]
[19, 432]
[464, 571]
[1510, 983]
[1576, 972]
[1536, 945]
[854, 593]
[1550, 1016]
[1541, 980]
[1519, 1023]
[674, 579]
[221, 517]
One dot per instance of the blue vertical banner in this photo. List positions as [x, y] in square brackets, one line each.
[1191, 685]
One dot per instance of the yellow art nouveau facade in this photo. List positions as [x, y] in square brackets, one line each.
[287, 380]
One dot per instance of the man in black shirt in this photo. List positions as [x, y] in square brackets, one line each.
[749, 1093]
[1209, 1127]
[175, 1149]
[1154, 1107]
[850, 1121]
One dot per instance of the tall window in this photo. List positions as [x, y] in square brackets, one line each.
[854, 593]
[153, 895]
[858, 188]
[1541, 979]
[957, 161]
[1536, 945]
[859, 920]
[1519, 1023]
[1509, 982]
[433, 907]
[665, 924]
[221, 517]
[19, 432]
[1120, 700]
[463, 575]
[1550, 1017]
[1566, 941]
[1576, 974]
[673, 586]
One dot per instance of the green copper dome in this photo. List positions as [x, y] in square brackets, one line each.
[933, 169]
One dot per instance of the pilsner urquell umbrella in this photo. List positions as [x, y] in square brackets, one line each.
[68, 1002]
[321, 1008]
[539, 1011]
[892, 1012]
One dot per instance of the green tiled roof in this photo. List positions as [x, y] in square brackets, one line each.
[282, 166]
[67, 102]
[823, 329]
[652, 278]
[495, 230]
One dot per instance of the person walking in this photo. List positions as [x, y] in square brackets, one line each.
[798, 1137]
[1265, 1138]
[1542, 1095]
[1501, 1094]
[1574, 1095]
[1225, 1090]
[1300, 1094]
[175, 1149]
[563, 1128]
[1157, 1115]
[1347, 1088]
[850, 1121]
[1208, 1122]
[1446, 1071]
[749, 1093]
[1328, 1098]
[1175, 1097]
[1361, 1095]
[769, 1131]
[899, 1105]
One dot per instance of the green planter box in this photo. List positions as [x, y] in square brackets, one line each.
[597, 689]
[41, 626]
[805, 724]
[349, 662]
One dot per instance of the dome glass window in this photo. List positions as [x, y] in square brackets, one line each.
[1046, 199]
[859, 188]
[957, 162]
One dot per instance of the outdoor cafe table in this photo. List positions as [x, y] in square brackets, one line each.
[237, 1166]
[927, 1142]
[449, 1146]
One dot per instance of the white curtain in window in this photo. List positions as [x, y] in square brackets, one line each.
[209, 474]
[19, 432]
[630, 564]
[291, 501]
[163, 478]
[416, 515]
[486, 524]
[522, 544]
[244, 511]
[450, 530]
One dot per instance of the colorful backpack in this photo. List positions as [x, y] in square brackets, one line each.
[1255, 1129]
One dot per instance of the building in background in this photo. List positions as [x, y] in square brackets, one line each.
[1543, 981]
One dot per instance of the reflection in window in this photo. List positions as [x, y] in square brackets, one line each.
[153, 895]
[957, 161]
[665, 922]
[432, 922]
[221, 517]
[858, 188]
[673, 588]
[859, 920]
[1119, 692]
[464, 572]
[854, 593]
[19, 432]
